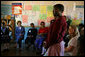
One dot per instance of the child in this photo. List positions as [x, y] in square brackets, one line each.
[43, 49]
[5, 36]
[42, 34]
[31, 35]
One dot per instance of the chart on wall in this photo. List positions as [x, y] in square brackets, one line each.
[16, 8]
[36, 14]
[76, 13]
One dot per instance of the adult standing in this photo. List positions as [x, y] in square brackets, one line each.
[54, 42]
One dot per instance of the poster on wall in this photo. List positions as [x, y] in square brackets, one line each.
[16, 8]
[25, 19]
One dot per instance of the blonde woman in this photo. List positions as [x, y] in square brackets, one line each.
[71, 49]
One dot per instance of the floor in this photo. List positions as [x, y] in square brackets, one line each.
[24, 52]
[15, 52]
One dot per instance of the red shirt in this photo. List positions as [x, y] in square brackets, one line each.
[43, 30]
[56, 31]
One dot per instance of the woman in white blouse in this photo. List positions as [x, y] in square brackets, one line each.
[71, 49]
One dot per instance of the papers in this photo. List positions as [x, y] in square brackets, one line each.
[43, 16]
[28, 7]
[24, 18]
[43, 9]
[16, 10]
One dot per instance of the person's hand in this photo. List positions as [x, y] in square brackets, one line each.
[20, 34]
[44, 42]
[39, 33]
[31, 35]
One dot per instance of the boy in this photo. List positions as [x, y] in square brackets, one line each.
[31, 35]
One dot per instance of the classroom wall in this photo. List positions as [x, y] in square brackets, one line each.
[37, 11]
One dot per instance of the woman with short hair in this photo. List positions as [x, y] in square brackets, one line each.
[19, 32]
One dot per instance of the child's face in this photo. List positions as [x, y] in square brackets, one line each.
[71, 30]
[32, 25]
[2, 25]
[42, 24]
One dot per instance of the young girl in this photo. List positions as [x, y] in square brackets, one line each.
[71, 49]
[42, 34]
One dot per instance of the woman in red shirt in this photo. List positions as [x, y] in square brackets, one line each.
[42, 34]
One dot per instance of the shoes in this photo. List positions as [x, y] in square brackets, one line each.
[41, 55]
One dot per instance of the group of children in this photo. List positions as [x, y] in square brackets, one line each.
[50, 41]
[5, 38]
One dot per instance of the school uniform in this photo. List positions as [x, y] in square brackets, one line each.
[5, 35]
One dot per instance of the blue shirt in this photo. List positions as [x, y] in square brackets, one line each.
[19, 31]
